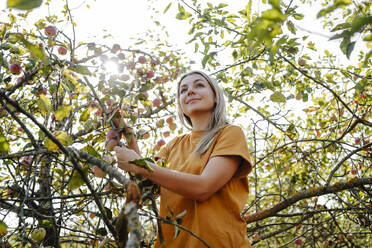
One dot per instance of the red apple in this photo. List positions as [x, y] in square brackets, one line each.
[267, 166]
[301, 62]
[156, 102]
[153, 63]
[149, 74]
[121, 56]
[98, 172]
[62, 50]
[166, 133]
[169, 120]
[142, 59]
[362, 95]
[165, 79]
[115, 48]
[42, 92]
[354, 171]
[160, 143]
[357, 141]
[145, 136]
[298, 241]
[50, 31]
[91, 215]
[158, 80]
[15, 69]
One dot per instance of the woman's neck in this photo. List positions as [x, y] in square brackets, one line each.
[201, 122]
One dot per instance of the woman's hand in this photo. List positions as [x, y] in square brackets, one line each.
[124, 155]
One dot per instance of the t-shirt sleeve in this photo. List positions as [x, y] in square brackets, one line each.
[231, 141]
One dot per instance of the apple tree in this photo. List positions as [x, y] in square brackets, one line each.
[306, 114]
[62, 106]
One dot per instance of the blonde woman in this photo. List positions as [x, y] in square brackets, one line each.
[208, 168]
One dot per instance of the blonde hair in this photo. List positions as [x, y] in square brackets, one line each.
[218, 118]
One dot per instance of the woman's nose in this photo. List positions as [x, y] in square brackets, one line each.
[190, 91]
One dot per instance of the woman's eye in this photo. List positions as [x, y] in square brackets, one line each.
[183, 90]
[199, 85]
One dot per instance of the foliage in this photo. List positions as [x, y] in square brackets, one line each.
[310, 118]
[309, 128]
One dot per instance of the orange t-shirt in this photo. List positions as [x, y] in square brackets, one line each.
[217, 220]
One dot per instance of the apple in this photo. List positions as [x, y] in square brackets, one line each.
[145, 136]
[349, 236]
[91, 215]
[357, 141]
[124, 77]
[50, 31]
[362, 95]
[173, 126]
[115, 48]
[169, 120]
[110, 144]
[131, 65]
[301, 62]
[141, 110]
[156, 102]
[72, 94]
[153, 63]
[38, 234]
[370, 227]
[166, 133]
[142, 59]
[62, 50]
[160, 143]
[98, 172]
[298, 241]
[354, 171]
[121, 56]
[150, 74]
[3, 228]
[165, 79]
[91, 46]
[15, 69]
[158, 80]
[112, 134]
[160, 123]
[42, 92]
[267, 166]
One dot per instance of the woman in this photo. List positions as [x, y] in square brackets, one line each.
[207, 173]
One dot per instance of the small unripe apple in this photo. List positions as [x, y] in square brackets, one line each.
[115, 48]
[160, 143]
[62, 50]
[50, 31]
[38, 234]
[301, 62]
[98, 172]
[298, 241]
[142, 59]
[160, 123]
[156, 102]
[173, 126]
[15, 69]
[121, 56]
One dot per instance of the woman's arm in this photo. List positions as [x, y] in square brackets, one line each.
[218, 171]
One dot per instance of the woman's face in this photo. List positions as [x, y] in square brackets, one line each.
[196, 95]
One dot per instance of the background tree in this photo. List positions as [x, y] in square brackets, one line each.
[61, 101]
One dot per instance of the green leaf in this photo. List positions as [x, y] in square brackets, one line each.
[183, 15]
[166, 9]
[275, 3]
[76, 181]
[85, 115]
[63, 112]
[277, 97]
[274, 15]
[298, 16]
[36, 50]
[23, 4]
[142, 163]
[80, 69]
[349, 49]
[4, 144]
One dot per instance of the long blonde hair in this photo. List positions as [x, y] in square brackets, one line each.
[218, 118]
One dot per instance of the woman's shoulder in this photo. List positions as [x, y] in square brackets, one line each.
[231, 128]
